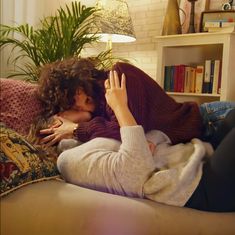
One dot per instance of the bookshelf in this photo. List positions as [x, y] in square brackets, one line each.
[195, 49]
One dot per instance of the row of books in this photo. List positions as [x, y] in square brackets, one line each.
[220, 26]
[204, 78]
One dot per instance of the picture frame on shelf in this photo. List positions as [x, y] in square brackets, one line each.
[216, 15]
[185, 9]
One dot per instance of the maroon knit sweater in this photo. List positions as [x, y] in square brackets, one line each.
[151, 107]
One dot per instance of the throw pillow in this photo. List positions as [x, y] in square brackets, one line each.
[21, 163]
[19, 104]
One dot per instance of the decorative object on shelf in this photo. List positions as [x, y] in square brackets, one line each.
[220, 17]
[114, 22]
[185, 6]
[227, 6]
[171, 24]
[191, 28]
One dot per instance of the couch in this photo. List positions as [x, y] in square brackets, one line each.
[45, 204]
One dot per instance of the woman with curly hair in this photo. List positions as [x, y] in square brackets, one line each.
[77, 84]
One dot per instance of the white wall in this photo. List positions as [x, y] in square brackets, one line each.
[147, 17]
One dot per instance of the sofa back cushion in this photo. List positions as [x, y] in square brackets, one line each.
[19, 104]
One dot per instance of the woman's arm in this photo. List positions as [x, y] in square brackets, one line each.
[116, 96]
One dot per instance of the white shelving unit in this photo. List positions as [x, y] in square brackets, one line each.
[194, 49]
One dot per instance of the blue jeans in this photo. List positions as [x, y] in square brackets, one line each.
[213, 113]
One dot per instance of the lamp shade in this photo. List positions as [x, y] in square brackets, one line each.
[114, 22]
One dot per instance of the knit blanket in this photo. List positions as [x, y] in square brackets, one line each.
[177, 173]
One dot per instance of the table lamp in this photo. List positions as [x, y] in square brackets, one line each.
[113, 22]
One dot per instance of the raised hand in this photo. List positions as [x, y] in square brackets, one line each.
[116, 97]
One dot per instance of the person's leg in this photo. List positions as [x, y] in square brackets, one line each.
[223, 128]
[216, 191]
[216, 121]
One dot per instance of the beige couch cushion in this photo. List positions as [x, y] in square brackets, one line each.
[55, 207]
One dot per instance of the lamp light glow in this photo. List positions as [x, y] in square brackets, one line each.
[113, 22]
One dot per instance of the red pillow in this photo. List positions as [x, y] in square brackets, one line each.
[18, 104]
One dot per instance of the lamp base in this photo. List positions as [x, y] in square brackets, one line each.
[109, 44]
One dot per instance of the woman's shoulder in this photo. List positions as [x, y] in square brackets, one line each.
[127, 68]
[120, 64]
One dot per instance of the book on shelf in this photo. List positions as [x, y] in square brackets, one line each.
[175, 79]
[192, 77]
[211, 76]
[181, 77]
[199, 78]
[179, 71]
[168, 77]
[207, 77]
[187, 79]
[219, 83]
[216, 78]
[220, 26]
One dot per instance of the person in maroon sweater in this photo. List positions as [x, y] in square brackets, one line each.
[76, 84]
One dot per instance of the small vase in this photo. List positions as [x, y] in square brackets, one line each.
[191, 28]
[171, 24]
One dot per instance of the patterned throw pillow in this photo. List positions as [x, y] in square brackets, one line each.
[21, 163]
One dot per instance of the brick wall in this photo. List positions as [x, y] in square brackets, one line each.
[147, 17]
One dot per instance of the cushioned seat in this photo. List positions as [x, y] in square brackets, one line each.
[54, 207]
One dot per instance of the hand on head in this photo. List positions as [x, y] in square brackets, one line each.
[63, 126]
[56, 133]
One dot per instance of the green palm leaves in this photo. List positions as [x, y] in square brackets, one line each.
[58, 37]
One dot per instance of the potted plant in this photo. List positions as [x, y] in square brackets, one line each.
[60, 36]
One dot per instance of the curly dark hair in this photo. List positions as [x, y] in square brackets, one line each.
[59, 81]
